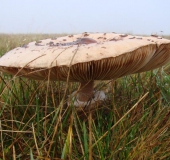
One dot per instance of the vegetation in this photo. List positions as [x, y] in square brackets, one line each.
[133, 123]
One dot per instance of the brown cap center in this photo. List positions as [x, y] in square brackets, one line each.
[86, 41]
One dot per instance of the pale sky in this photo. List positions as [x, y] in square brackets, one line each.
[77, 16]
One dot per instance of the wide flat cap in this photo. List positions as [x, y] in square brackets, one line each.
[87, 56]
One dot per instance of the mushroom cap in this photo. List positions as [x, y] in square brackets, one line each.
[87, 56]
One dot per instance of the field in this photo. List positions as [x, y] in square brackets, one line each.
[133, 123]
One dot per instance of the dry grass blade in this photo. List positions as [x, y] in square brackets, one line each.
[35, 140]
[121, 118]
[90, 135]
[78, 134]
[12, 131]
[2, 143]
[14, 153]
[67, 150]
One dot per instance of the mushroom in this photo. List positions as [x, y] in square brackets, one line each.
[85, 58]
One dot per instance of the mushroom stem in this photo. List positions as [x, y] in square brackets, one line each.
[86, 91]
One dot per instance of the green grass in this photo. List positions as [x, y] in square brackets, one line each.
[133, 123]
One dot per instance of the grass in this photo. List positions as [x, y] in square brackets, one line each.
[133, 123]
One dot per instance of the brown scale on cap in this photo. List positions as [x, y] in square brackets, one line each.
[123, 35]
[114, 39]
[38, 41]
[100, 38]
[55, 38]
[38, 44]
[86, 34]
[154, 35]
[138, 37]
[86, 41]
[52, 44]
[132, 37]
[24, 46]
[70, 36]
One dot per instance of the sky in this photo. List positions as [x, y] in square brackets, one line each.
[77, 16]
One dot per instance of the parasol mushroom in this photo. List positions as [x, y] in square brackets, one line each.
[85, 58]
